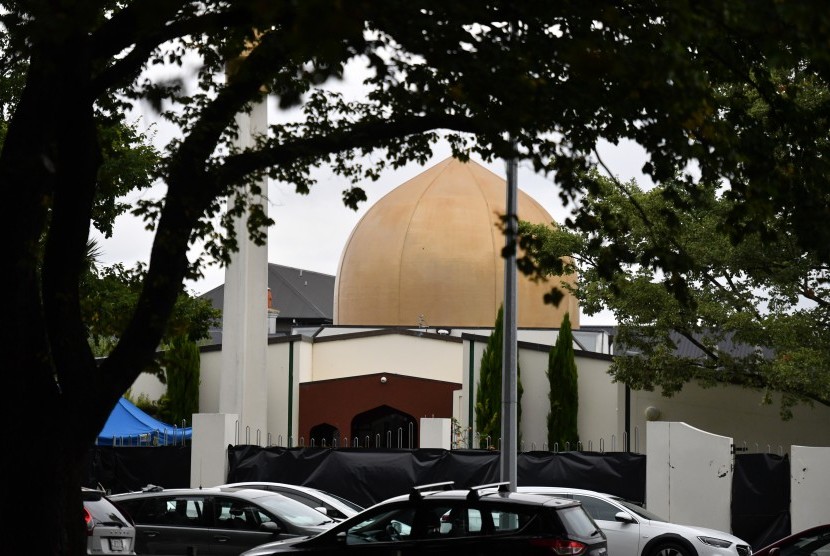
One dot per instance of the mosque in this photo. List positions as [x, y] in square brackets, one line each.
[393, 342]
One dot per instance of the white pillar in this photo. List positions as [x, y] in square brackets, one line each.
[212, 433]
[245, 313]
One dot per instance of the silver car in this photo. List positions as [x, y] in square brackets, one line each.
[108, 529]
[634, 531]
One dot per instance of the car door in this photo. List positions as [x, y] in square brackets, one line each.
[239, 525]
[623, 537]
[170, 525]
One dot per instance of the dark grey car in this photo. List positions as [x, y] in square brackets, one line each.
[215, 521]
[476, 522]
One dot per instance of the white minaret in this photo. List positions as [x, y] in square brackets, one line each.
[245, 312]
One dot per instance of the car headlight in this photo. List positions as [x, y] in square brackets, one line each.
[712, 541]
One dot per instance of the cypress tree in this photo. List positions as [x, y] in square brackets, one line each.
[564, 394]
[488, 389]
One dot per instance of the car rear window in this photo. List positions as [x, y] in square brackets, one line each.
[577, 522]
[104, 511]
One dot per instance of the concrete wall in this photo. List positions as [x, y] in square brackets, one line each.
[809, 487]
[689, 475]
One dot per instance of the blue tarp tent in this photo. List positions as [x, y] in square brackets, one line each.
[127, 425]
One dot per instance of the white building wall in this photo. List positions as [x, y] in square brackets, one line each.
[735, 412]
[407, 355]
[281, 371]
[148, 385]
[210, 377]
[601, 418]
[599, 421]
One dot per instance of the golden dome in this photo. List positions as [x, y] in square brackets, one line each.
[429, 252]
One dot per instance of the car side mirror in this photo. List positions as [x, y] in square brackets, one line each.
[270, 527]
[322, 510]
[774, 551]
[341, 537]
[624, 517]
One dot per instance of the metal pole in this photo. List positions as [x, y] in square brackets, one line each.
[509, 426]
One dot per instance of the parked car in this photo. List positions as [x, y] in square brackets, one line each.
[634, 531]
[215, 521]
[478, 521]
[108, 529]
[814, 541]
[336, 507]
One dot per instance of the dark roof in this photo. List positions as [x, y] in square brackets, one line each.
[687, 349]
[299, 295]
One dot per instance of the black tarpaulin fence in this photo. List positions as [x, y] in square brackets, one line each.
[761, 498]
[368, 476]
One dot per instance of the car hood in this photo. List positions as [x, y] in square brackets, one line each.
[692, 531]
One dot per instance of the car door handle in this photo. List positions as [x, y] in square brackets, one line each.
[221, 538]
[151, 534]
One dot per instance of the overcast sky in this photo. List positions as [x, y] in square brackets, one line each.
[310, 231]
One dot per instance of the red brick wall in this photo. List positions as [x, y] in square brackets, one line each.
[336, 402]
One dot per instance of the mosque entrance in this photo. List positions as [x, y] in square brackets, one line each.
[324, 434]
[385, 427]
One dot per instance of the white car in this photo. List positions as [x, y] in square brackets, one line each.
[634, 531]
[333, 506]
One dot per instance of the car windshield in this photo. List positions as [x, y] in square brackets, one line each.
[292, 511]
[812, 545]
[639, 510]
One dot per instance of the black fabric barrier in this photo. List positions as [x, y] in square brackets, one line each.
[367, 476]
[761, 498]
[125, 469]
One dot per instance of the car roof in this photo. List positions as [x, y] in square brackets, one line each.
[246, 493]
[566, 490]
[496, 492]
[288, 486]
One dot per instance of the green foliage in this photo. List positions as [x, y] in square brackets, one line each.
[182, 363]
[109, 297]
[564, 391]
[756, 311]
[488, 389]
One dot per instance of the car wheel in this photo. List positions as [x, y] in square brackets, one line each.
[670, 549]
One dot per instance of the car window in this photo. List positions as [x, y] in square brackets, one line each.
[383, 526]
[170, 510]
[238, 514]
[596, 508]
[104, 511]
[463, 519]
[640, 511]
[577, 521]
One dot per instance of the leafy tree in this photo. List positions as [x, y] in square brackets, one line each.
[489, 387]
[568, 74]
[756, 312]
[564, 392]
